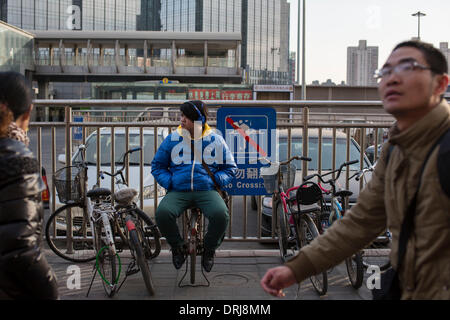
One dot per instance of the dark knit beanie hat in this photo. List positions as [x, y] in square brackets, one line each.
[191, 110]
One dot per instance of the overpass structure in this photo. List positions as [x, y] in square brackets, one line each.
[108, 56]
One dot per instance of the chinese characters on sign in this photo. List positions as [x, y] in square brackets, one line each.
[249, 173]
[218, 94]
[248, 133]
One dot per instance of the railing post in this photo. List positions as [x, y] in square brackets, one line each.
[361, 158]
[375, 143]
[305, 141]
[53, 191]
[69, 233]
[347, 158]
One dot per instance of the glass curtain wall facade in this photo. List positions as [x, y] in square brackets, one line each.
[100, 15]
[264, 24]
[266, 31]
[179, 16]
[15, 49]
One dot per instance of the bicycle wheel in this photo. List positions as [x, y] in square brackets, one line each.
[136, 239]
[82, 248]
[307, 232]
[107, 262]
[355, 270]
[193, 249]
[150, 231]
[282, 230]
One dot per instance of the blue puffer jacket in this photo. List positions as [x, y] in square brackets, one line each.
[176, 167]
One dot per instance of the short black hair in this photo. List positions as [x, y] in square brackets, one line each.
[434, 57]
[189, 111]
[15, 92]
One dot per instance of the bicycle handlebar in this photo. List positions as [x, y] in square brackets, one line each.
[124, 157]
[295, 158]
[302, 158]
[361, 173]
[331, 181]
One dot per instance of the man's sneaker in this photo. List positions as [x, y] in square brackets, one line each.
[178, 256]
[208, 260]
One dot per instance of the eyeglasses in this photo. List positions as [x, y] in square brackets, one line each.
[403, 69]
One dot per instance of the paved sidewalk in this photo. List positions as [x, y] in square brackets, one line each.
[235, 276]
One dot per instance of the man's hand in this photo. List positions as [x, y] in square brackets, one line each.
[277, 279]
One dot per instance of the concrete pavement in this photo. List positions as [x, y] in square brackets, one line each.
[235, 276]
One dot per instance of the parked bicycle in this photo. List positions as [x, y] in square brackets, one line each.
[193, 235]
[87, 226]
[294, 224]
[338, 208]
[377, 253]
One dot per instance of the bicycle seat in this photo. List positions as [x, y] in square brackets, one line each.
[309, 193]
[98, 192]
[309, 198]
[308, 209]
[344, 193]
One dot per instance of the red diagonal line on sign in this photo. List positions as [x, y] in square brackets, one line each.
[247, 137]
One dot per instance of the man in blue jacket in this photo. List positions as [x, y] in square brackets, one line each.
[178, 168]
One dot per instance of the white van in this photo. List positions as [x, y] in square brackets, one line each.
[134, 160]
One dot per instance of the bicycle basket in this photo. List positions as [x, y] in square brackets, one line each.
[69, 188]
[288, 175]
[269, 175]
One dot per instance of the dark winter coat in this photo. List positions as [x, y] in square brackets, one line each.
[24, 271]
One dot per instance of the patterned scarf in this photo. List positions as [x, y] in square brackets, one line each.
[16, 133]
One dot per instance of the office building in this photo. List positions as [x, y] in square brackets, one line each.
[264, 24]
[362, 61]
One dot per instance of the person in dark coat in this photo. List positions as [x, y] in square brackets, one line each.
[24, 271]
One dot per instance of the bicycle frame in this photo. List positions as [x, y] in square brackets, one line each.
[195, 224]
[337, 209]
[284, 195]
[89, 213]
[193, 228]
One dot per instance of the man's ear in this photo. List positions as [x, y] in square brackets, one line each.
[442, 84]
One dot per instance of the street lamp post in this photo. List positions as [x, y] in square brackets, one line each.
[303, 52]
[303, 92]
[418, 14]
[298, 43]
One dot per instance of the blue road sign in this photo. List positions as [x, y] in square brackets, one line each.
[77, 131]
[249, 133]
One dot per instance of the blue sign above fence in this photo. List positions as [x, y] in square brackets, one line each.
[77, 131]
[250, 134]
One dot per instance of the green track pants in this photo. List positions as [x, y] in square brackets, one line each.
[175, 203]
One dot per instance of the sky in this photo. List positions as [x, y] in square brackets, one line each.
[332, 26]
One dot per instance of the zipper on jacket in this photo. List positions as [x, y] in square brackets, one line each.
[192, 173]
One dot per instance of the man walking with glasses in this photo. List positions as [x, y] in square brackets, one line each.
[414, 169]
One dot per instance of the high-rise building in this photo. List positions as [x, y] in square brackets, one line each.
[292, 65]
[362, 61]
[264, 24]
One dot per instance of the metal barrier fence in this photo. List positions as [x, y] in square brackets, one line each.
[245, 224]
